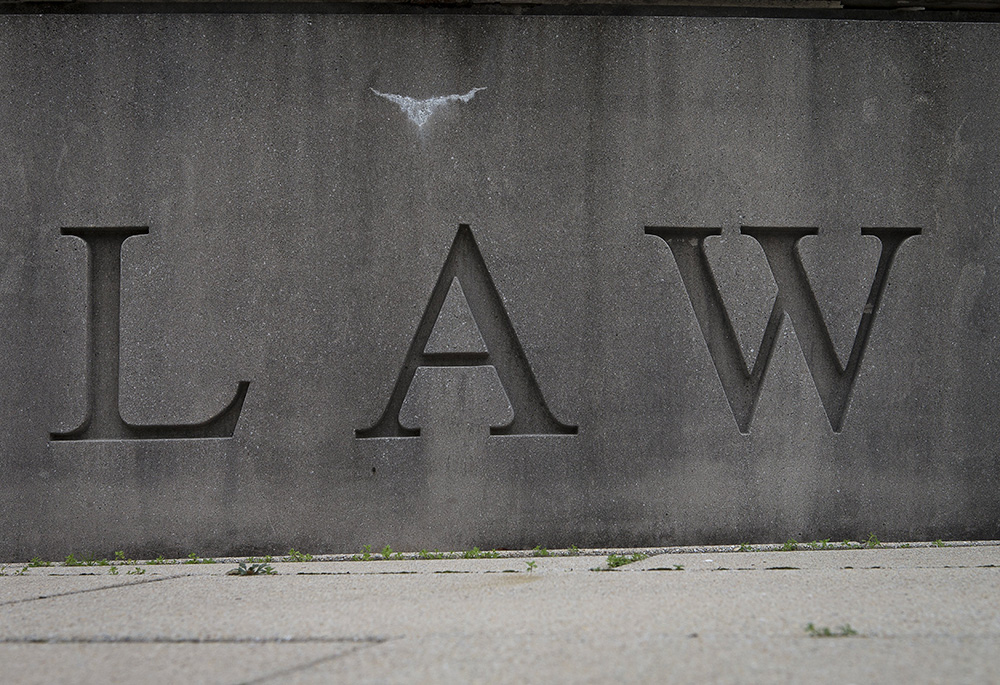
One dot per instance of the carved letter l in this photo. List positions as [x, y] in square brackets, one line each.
[104, 421]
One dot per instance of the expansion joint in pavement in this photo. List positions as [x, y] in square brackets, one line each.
[115, 586]
[278, 675]
[172, 640]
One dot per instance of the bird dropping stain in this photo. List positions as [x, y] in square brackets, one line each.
[420, 111]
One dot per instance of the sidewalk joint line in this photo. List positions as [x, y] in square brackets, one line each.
[130, 639]
[93, 589]
[310, 664]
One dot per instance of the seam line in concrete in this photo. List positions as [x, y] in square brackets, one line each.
[127, 639]
[936, 13]
[309, 664]
[91, 589]
[797, 568]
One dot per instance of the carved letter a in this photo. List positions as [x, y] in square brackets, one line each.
[499, 348]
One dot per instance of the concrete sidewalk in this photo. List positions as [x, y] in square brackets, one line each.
[917, 615]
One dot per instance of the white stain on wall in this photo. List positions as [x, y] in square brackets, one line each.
[420, 111]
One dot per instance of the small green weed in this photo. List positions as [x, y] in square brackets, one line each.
[252, 569]
[387, 553]
[195, 559]
[157, 561]
[790, 546]
[424, 554]
[540, 551]
[531, 565]
[137, 571]
[89, 560]
[22, 571]
[820, 544]
[366, 554]
[476, 553]
[938, 543]
[294, 555]
[843, 631]
[38, 561]
[120, 558]
[113, 571]
[616, 560]
[872, 542]
[746, 547]
[574, 551]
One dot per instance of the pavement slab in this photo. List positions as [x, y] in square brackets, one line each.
[163, 662]
[914, 615]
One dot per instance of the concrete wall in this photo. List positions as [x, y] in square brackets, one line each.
[442, 281]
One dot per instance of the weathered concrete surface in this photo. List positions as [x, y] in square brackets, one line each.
[920, 616]
[304, 232]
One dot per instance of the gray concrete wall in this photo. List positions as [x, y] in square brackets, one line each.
[658, 280]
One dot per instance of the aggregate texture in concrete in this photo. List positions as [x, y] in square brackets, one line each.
[927, 615]
[327, 280]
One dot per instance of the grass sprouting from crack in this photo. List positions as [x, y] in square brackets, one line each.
[616, 560]
[824, 631]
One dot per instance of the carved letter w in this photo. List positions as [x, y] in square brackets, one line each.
[795, 297]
